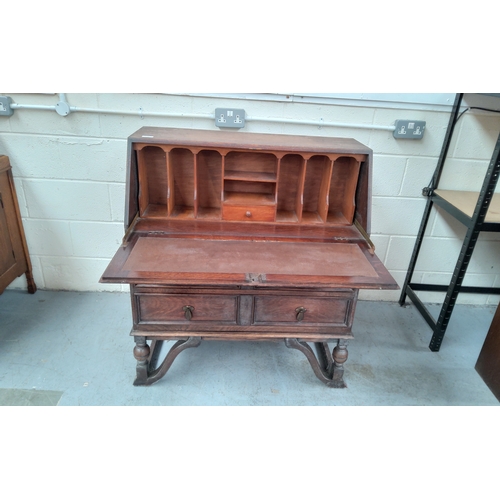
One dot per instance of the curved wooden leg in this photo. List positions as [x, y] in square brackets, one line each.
[146, 359]
[324, 357]
[31, 282]
[155, 353]
[329, 369]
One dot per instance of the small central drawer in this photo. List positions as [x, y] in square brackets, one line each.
[304, 310]
[260, 213]
[181, 308]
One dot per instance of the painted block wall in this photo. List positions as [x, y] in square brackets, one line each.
[70, 179]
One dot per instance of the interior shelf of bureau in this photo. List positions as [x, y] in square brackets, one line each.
[211, 184]
[242, 198]
[239, 175]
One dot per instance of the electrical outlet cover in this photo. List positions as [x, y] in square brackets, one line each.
[409, 129]
[229, 118]
[5, 109]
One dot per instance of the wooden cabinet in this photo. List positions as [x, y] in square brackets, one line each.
[14, 256]
[237, 236]
[488, 362]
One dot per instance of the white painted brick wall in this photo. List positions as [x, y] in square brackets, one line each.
[70, 176]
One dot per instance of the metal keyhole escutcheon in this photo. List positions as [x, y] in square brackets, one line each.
[188, 312]
[300, 313]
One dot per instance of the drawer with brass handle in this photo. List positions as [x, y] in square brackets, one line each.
[165, 308]
[304, 310]
[262, 213]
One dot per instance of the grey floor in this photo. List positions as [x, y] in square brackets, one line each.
[74, 349]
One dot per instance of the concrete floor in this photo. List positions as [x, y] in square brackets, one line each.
[74, 349]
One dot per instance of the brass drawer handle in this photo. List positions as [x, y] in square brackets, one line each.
[188, 312]
[300, 313]
[248, 214]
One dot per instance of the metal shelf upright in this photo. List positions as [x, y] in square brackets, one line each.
[473, 214]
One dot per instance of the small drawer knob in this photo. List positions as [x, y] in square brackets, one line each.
[300, 313]
[248, 213]
[188, 312]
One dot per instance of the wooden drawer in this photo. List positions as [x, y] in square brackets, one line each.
[186, 308]
[260, 213]
[336, 310]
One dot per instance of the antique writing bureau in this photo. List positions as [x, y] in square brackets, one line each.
[239, 236]
[14, 256]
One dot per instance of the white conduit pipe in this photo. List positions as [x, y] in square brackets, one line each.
[13, 105]
[64, 109]
[321, 123]
[141, 113]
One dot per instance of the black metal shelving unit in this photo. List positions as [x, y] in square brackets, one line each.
[475, 220]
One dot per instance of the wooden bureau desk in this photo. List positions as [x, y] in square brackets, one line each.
[239, 236]
[14, 256]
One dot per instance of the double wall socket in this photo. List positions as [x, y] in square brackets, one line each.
[229, 118]
[409, 129]
[5, 109]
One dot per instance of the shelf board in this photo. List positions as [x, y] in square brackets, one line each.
[207, 213]
[156, 211]
[238, 175]
[466, 201]
[337, 218]
[180, 212]
[286, 216]
[233, 198]
[311, 218]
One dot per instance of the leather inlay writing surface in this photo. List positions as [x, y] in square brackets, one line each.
[174, 255]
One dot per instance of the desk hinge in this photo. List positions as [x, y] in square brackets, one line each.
[255, 278]
[360, 228]
[131, 227]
